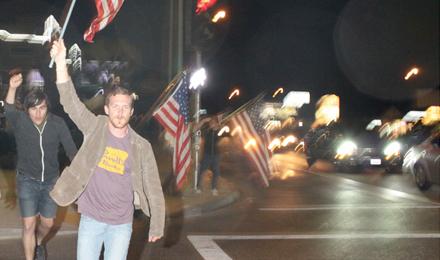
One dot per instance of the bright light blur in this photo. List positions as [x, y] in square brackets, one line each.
[299, 146]
[412, 72]
[300, 123]
[289, 121]
[330, 113]
[236, 130]
[276, 143]
[411, 157]
[373, 124]
[278, 91]
[204, 5]
[413, 116]
[272, 125]
[221, 14]
[327, 110]
[394, 129]
[224, 129]
[197, 79]
[251, 143]
[235, 92]
[279, 142]
[296, 99]
[287, 174]
[346, 148]
[432, 115]
[392, 148]
[290, 139]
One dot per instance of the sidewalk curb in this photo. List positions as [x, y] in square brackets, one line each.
[197, 211]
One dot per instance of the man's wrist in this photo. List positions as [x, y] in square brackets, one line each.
[61, 63]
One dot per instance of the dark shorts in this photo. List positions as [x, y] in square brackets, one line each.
[33, 197]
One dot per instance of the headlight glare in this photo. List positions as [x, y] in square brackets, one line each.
[392, 148]
[346, 148]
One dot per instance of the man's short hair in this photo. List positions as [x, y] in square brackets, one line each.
[34, 98]
[117, 90]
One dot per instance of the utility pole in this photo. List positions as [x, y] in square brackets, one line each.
[197, 134]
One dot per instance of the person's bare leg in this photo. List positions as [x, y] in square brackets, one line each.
[43, 228]
[29, 224]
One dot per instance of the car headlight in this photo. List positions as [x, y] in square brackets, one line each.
[346, 148]
[392, 148]
[276, 143]
[290, 139]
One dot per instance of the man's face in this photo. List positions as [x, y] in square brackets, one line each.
[38, 113]
[119, 110]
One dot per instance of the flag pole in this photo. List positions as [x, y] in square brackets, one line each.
[243, 107]
[72, 4]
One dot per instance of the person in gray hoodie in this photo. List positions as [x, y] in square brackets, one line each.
[38, 135]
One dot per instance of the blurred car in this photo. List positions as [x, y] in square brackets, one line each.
[354, 150]
[320, 142]
[422, 161]
[367, 149]
[358, 152]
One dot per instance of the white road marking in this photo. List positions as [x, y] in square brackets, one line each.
[209, 250]
[386, 193]
[352, 206]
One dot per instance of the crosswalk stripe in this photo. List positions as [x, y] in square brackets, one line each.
[209, 250]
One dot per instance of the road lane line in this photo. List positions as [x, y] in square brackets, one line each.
[386, 193]
[209, 250]
[349, 206]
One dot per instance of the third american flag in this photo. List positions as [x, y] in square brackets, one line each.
[255, 138]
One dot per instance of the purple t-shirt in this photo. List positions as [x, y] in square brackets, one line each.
[108, 196]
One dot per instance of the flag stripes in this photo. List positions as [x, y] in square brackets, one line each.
[257, 153]
[107, 10]
[173, 115]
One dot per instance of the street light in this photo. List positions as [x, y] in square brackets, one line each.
[221, 14]
[413, 71]
[197, 79]
[279, 90]
[235, 92]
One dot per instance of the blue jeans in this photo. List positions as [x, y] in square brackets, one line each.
[209, 161]
[33, 196]
[92, 234]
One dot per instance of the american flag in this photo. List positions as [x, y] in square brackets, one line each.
[107, 10]
[255, 138]
[173, 115]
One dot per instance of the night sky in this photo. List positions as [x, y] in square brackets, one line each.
[357, 49]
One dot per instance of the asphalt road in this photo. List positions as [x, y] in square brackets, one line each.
[305, 214]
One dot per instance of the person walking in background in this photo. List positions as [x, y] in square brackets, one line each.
[38, 135]
[211, 156]
[114, 171]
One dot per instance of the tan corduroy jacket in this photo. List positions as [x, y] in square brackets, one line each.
[147, 187]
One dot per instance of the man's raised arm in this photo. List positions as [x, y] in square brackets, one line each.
[58, 53]
[14, 82]
[73, 106]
